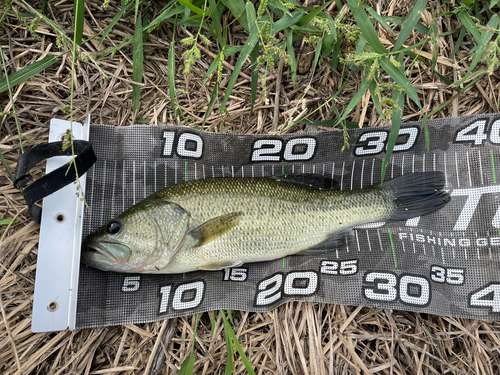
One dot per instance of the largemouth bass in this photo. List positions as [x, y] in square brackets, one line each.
[224, 222]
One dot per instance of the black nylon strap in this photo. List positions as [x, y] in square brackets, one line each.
[56, 179]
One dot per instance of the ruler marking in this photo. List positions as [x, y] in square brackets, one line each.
[478, 255]
[357, 240]
[456, 167]
[362, 171]
[392, 169]
[323, 169]
[414, 250]
[144, 179]
[373, 167]
[352, 172]
[232, 170]
[403, 245]
[333, 170]
[423, 246]
[253, 174]
[175, 172]
[434, 161]
[342, 177]
[155, 173]
[493, 167]
[195, 171]
[442, 256]
[203, 167]
[380, 241]
[104, 190]
[413, 164]
[314, 169]
[123, 186]
[445, 174]
[489, 250]
[263, 172]
[393, 250]
[113, 208]
[368, 238]
[402, 165]
[133, 179]
[480, 166]
[91, 198]
[185, 171]
[468, 168]
[303, 168]
[423, 163]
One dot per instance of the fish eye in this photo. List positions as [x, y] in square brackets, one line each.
[113, 227]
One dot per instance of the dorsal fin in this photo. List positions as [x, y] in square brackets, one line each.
[314, 181]
[210, 230]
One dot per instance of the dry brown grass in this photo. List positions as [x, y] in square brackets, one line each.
[296, 338]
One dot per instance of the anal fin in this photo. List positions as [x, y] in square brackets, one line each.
[215, 266]
[336, 240]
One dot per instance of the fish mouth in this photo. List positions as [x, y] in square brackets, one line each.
[112, 251]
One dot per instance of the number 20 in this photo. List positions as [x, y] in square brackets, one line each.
[270, 149]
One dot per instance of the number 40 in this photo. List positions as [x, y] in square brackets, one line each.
[475, 133]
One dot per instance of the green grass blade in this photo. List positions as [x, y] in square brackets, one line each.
[309, 16]
[79, 18]
[113, 22]
[214, 65]
[171, 77]
[433, 33]
[250, 44]
[411, 22]
[211, 103]
[236, 343]
[287, 21]
[212, 327]
[138, 60]
[355, 99]
[482, 45]
[397, 116]
[367, 29]
[188, 365]
[166, 14]
[27, 72]
[375, 98]
[378, 18]
[400, 79]
[237, 9]
[317, 54]
[192, 7]
[229, 347]
[254, 73]
[464, 17]
[458, 43]
[251, 15]
[216, 21]
[401, 20]
[291, 53]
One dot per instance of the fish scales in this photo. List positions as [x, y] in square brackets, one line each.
[225, 222]
[278, 218]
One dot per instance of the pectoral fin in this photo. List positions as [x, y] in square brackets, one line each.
[335, 241]
[215, 266]
[214, 228]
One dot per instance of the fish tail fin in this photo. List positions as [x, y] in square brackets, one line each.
[417, 194]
